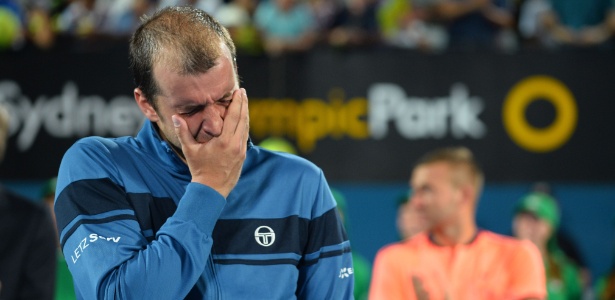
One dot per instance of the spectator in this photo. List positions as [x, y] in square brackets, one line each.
[355, 25]
[605, 286]
[122, 17]
[412, 26]
[237, 17]
[28, 243]
[477, 24]
[40, 29]
[452, 258]
[285, 26]
[12, 20]
[536, 219]
[529, 25]
[324, 12]
[391, 16]
[409, 221]
[92, 18]
[362, 268]
[81, 18]
[578, 23]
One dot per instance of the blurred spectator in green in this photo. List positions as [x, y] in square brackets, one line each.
[362, 267]
[604, 287]
[537, 218]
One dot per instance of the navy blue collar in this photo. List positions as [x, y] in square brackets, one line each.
[432, 238]
[152, 142]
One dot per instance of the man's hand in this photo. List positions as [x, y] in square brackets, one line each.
[218, 162]
[419, 289]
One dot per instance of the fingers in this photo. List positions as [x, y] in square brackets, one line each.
[244, 125]
[237, 116]
[242, 107]
[181, 130]
[245, 116]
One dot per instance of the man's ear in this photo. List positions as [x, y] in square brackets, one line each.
[145, 106]
[468, 193]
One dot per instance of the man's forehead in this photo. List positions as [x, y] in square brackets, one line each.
[161, 69]
[431, 171]
[438, 167]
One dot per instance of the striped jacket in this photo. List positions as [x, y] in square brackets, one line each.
[133, 226]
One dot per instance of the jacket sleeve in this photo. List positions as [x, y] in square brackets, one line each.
[105, 249]
[326, 270]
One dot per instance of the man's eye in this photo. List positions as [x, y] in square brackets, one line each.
[225, 102]
[425, 190]
[190, 112]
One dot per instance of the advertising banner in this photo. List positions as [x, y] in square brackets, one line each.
[361, 116]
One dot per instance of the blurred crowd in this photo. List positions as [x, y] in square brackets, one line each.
[279, 26]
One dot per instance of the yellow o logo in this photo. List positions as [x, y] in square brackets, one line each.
[540, 139]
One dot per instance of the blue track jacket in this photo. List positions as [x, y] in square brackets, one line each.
[133, 226]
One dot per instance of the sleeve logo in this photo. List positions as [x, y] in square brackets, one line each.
[85, 243]
[346, 272]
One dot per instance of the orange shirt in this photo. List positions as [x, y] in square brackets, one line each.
[492, 266]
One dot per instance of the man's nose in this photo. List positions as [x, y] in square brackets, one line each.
[213, 120]
[416, 201]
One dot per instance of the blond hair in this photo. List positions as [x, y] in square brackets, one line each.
[465, 168]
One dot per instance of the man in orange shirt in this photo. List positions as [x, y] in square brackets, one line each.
[453, 259]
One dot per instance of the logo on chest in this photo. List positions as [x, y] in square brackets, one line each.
[264, 236]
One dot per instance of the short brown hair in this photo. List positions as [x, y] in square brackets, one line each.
[191, 35]
[460, 158]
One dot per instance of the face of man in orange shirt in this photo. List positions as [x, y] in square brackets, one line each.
[435, 194]
[409, 221]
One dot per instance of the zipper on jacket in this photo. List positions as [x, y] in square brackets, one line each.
[214, 290]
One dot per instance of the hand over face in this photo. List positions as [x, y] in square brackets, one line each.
[218, 162]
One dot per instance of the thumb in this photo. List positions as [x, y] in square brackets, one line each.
[181, 131]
